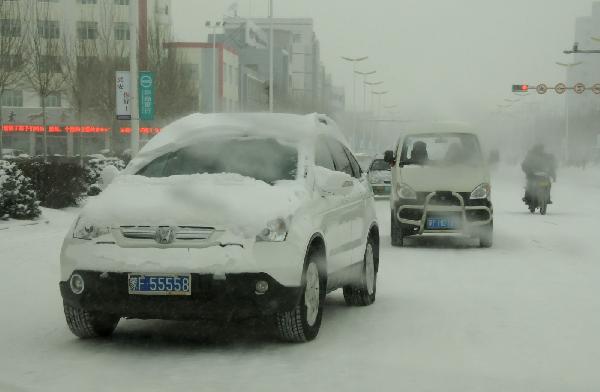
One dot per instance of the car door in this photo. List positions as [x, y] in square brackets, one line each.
[351, 206]
[331, 210]
[361, 221]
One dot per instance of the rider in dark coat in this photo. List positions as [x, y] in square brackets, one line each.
[538, 161]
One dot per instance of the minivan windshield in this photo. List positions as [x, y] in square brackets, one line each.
[264, 159]
[441, 149]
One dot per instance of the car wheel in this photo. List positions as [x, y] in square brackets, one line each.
[396, 233]
[302, 323]
[87, 325]
[486, 236]
[363, 294]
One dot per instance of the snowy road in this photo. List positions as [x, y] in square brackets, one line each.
[523, 316]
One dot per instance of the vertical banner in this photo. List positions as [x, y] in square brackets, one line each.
[123, 88]
[146, 91]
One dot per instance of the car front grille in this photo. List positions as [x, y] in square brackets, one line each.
[181, 232]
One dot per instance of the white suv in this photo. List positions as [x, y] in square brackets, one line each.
[226, 216]
[440, 185]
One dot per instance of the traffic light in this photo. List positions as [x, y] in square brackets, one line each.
[520, 88]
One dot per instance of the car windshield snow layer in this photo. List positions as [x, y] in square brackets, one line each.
[264, 159]
[441, 149]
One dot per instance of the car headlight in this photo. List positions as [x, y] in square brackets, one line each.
[276, 231]
[406, 192]
[482, 191]
[85, 230]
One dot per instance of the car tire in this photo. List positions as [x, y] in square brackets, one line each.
[302, 323]
[486, 235]
[396, 232]
[86, 325]
[363, 293]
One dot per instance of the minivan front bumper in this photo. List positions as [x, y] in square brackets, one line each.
[471, 213]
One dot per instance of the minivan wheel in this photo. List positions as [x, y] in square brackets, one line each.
[302, 323]
[486, 235]
[396, 233]
[88, 325]
[363, 293]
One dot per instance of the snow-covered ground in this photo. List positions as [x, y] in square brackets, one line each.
[522, 316]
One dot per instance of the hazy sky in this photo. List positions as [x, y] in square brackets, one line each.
[450, 57]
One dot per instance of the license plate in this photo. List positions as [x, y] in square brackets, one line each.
[160, 284]
[442, 223]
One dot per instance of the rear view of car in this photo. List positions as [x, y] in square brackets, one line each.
[441, 185]
[380, 178]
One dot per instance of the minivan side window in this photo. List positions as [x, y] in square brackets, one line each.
[323, 156]
[354, 163]
[342, 163]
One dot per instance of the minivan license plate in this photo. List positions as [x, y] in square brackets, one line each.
[160, 284]
[442, 224]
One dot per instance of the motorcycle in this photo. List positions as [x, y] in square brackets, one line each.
[538, 192]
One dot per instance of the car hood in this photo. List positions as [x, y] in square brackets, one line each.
[231, 202]
[456, 178]
[380, 175]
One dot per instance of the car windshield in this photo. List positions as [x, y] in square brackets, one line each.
[441, 149]
[264, 159]
[380, 165]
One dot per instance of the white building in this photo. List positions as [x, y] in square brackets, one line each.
[74, 22]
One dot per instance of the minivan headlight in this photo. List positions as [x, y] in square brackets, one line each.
[406, 192]
[276, 231]
[483, 191]
[85, 230]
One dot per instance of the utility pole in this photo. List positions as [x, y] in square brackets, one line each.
[133, 70]
[271, 55]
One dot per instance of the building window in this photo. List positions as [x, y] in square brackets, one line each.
[87, 30]
[11, 62]
[53, 101]
[122, 31]
[13, 98]
[48, 29]
[122, 2]
[10, 27]
[297, 38]
[87, 1]
[50, 64]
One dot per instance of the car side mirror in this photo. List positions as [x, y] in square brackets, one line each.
[109, 173]
[389, 157]
[333, 182]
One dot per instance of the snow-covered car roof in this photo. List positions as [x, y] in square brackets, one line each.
[286, 127]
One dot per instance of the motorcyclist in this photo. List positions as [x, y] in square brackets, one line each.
[538, 161]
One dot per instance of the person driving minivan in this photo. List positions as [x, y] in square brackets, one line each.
[419, 155]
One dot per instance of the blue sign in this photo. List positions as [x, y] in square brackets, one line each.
[146, 92]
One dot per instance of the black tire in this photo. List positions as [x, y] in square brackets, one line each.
[88, 325]
[544, 208]
[396, 232]
[532, 209]
[486, 236]
[295, 326]
[363, 293]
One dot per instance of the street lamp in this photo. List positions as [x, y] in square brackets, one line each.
[379, 94]
[214, 26]
[371, 84]
[365, 75]
[354, 61]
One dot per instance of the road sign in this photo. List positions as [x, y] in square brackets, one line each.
[560, 88]
[579, 88]
[541, 89]
[123, 89]
[596, 88]
[146, 86]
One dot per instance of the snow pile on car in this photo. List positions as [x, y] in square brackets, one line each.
[240, 204]
[283, 127]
